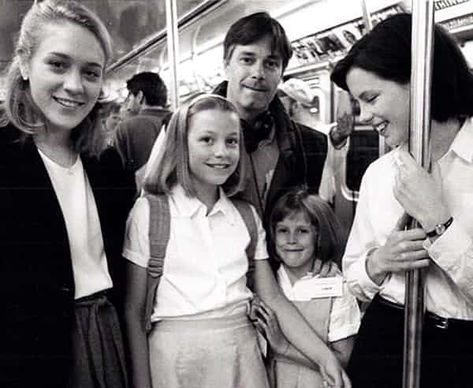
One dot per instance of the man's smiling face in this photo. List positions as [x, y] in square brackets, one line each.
[253, 72]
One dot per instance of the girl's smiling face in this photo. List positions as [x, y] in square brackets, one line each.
[65, 74]
[214, 148]
[383, 104]
[295, 243]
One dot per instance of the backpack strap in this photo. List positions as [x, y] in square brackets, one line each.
[159, 231]
[246, 213]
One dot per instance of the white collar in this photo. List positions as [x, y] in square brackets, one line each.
[310, 286]
[190, 206]
[462, 144]
[285, 282]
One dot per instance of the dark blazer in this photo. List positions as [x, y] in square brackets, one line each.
[36, 279]
[302, 153]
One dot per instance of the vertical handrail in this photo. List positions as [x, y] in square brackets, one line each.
[173, 51]
[421, 76]
[366, 16]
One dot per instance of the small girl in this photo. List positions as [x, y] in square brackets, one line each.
[201, 335]
[304, 234]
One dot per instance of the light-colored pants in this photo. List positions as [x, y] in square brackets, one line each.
[209, 353]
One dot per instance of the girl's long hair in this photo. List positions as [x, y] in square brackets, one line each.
[172, 167]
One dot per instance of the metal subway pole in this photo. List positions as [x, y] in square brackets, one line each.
[421, 76]
[173, 51]
[366, 16]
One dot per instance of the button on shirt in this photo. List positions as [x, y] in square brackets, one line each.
[205, 267]
[449, 279]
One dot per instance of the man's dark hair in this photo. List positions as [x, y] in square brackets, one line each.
[152, 86]
[386, 52]
[254, 27]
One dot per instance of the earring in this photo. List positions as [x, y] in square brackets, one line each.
[25, 78]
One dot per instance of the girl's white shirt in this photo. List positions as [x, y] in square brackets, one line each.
[204, 274]
[77, 202]
[345, 315]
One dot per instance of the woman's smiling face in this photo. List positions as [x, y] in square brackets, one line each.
[65, 74]
[383, 104]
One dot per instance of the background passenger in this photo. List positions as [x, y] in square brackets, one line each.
[304, 234]
[62, 211]
[111, 118]
[135, 135]
[376, 71]
[303, 107]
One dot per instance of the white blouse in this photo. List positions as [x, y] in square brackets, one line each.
[449, 280]
[89, 262]
[204, 274]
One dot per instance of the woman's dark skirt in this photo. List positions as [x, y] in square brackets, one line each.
[98, 355]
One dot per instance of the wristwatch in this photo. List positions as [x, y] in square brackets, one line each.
[440, 228]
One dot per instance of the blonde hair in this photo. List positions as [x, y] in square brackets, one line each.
[19, 107]
[173, 166]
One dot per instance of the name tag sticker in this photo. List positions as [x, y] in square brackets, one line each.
[307, 289]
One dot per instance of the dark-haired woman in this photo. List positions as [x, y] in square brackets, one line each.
[379, 251]
[63, 212]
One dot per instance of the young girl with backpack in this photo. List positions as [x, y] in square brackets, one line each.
[189, 246]
[305, 234]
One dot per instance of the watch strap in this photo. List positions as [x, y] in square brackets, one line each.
[440, 228]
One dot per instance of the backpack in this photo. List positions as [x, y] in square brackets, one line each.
[159, 231]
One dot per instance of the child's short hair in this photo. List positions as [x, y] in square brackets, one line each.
[173, 166]
[328, 241]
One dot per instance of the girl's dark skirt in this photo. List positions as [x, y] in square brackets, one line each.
[98, 355]
[376, 361]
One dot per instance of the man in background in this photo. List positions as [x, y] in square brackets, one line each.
[146, 113]
[302, 105]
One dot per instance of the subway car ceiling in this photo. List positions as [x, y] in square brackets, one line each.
[321, 32]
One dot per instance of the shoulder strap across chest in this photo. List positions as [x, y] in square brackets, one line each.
[159, 233]
[159, 230]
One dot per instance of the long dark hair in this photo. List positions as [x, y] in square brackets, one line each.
[386, 52]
